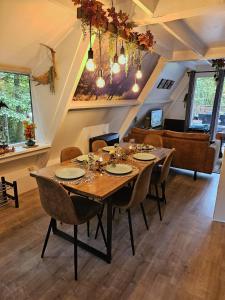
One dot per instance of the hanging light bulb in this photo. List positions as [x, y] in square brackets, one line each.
[139, 73]
[90, 65]
[135, 88]
[115, 66]
[122, 57]
[100, 82]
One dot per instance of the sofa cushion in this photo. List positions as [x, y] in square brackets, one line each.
[187, 136]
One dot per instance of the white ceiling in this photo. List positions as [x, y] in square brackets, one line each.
[191, 33]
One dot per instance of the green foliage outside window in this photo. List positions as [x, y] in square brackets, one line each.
[15, 93]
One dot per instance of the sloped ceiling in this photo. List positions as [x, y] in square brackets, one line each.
[24, 24]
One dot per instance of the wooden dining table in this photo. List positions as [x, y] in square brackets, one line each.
[99, 186]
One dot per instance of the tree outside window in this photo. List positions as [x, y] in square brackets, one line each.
[15, 93]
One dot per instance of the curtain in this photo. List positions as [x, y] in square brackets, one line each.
[189, 101]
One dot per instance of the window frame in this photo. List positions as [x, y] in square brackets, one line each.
[20, 71]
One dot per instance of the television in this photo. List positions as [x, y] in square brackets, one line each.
[156, 118]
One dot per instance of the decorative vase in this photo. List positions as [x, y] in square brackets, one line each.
[30, 143]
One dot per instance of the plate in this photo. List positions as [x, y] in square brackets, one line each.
[69, 173]
[84, 157]
[108, 148]
[119, 169]
[144, 156]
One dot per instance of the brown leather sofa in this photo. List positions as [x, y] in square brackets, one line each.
[193, 150]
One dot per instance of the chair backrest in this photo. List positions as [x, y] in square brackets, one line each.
[56, 201]
[141, 186]
[166, 166]
[154, 140]
[98, 144]
[70, 153]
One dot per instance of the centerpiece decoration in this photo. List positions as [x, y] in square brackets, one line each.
[121, 32]
[29, 133]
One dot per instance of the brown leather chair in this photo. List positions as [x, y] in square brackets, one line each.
[154, 140]
[73, 210]
[128, 197]
[70, 153]
[98, 144]
[159, 178]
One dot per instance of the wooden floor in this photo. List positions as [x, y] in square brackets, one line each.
[182, 257]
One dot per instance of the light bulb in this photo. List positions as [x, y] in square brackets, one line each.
[115, 68]
[90, 65]
[122, 59]
[100, 82]
[135, 88]
[139, 74]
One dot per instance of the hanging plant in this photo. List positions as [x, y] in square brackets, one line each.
[218, 64]
[115, 22]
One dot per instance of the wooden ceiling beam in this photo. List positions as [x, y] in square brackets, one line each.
[167, 11]
[211, 53]
[183, 34]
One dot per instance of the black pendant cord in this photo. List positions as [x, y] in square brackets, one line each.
[90, 33]
[100, 49]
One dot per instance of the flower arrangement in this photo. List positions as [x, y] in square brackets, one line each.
[92, 12]
[29, 132]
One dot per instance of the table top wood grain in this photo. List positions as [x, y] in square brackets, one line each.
[102, 185]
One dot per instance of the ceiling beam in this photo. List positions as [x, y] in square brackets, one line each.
[211, 53]
[165, 11]
[186, 36]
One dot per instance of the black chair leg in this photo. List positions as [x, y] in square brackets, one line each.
[114, 211]
[131, 231]
[46, 238]
[97, 229]
[144, 215]
[158, 201]
[163, 185]
[88, 228]
[102, 229]
[75, 252]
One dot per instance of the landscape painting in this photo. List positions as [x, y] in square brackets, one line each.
[117, 87]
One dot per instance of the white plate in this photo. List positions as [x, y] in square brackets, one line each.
[69, 173]
[108, 148]
[119, 169]
[144, 156]
[84, 157]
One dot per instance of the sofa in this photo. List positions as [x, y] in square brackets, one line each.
[194, 151]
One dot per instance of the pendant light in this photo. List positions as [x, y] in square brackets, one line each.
[122, 57]
[115, 66]
[100, 82]
[90, 65]
[139, 74]
[135, 87]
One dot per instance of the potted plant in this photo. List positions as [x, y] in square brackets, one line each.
[29, 133]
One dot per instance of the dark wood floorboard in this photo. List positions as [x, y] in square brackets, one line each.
[182, 257]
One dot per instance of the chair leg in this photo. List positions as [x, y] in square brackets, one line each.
[75, 252]
[163, 185]
[131, 231]
[102, 229]
[88, 228]
[114, 211]
[158, 201]
[144, 215]
[46, 238]
[97, 229]
[195, 175]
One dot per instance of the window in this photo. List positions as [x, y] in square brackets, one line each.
[203, 101]
[221, 120]
[15, 93]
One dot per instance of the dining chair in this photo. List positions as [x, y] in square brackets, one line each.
[60, 206]
[98, 144]
[159, 178]
[129, 197]
[69, 153]
[154, 140]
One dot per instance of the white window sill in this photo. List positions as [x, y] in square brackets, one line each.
[21, 152]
